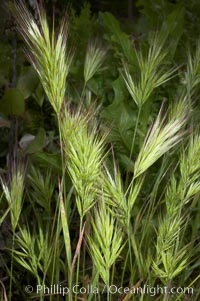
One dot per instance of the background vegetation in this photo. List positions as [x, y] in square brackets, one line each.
[100, 148]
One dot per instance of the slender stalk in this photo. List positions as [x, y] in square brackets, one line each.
[108, 284]
[41, 292]
[78, 259]
[133, 142]
[62, 151]
[129, 247]
[84, 251]
[167, 294]
[83, 92]
[135, 249]
[11, 268]
[112, 278]
[125, 265]
[135, 131]
[55, 252]
[55, 255]
[64, 195]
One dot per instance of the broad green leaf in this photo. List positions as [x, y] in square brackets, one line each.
[119, 112]
[114, 111]
[12, 103]
[154, 11]
[118, 37]
[121, 119]
[126, 162]
[45, 160]
[111, 22]
[97, 86]
[38, 143]
[28, 82]
[172, 28]
[39, 95]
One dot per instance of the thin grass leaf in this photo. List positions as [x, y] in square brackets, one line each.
[78, 247]
[41, 188]
[106, 243]
[3, 294]
[192, 75]
[26, 243]
[122, 202]
[13, 192]
[4, 215]
[152, 74]
[93, 61]
[65, 228]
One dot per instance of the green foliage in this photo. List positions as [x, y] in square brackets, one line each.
[14, 193]
[42, 186]
[12, 103]
[106, 243]
[110, 195]
[151, 76]
[118, 39]
[38, 142]
[28, 82]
